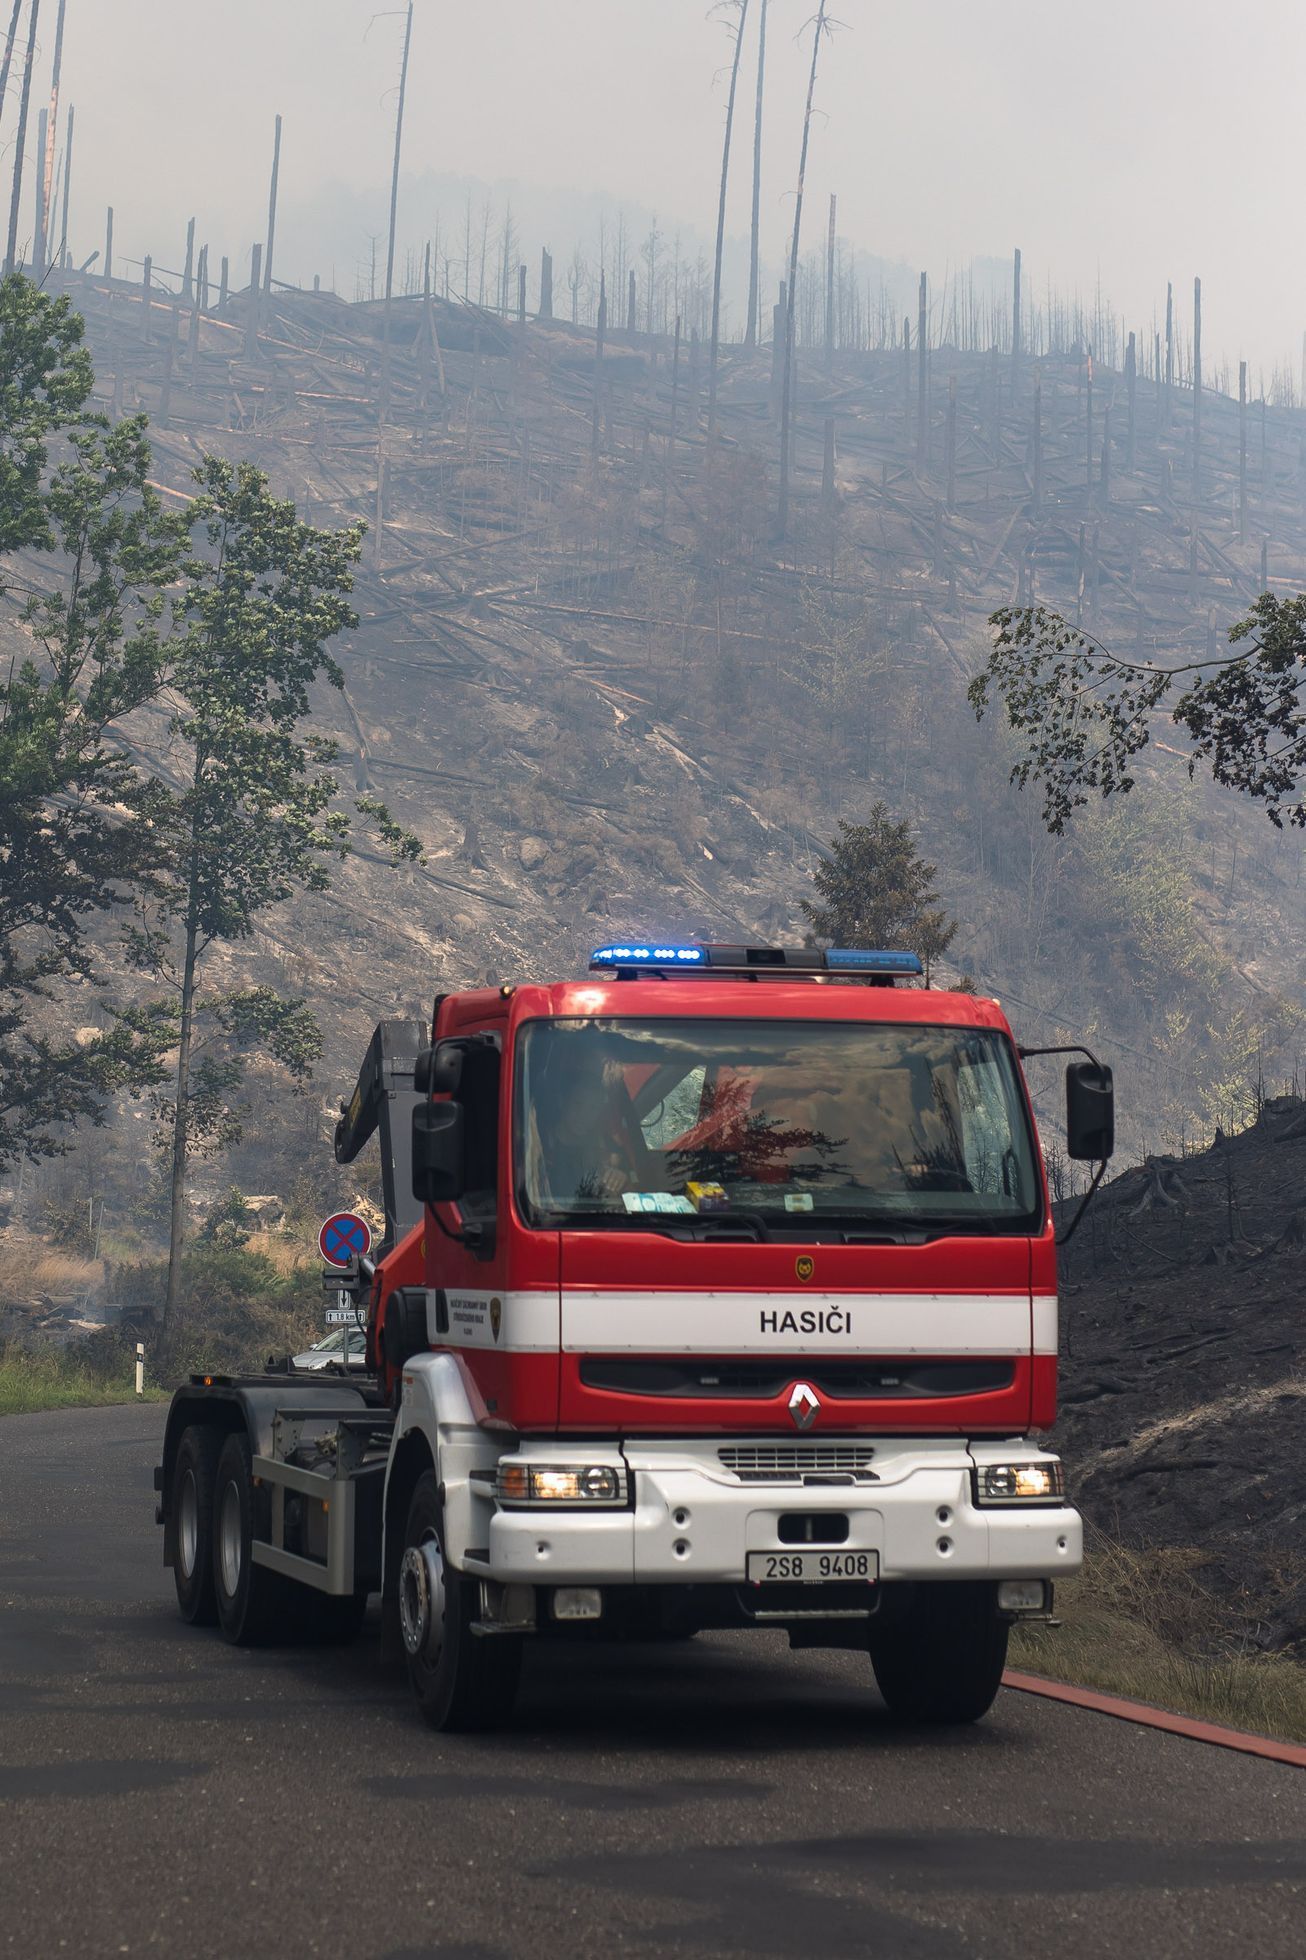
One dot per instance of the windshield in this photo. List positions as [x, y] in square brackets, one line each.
[787, 1123]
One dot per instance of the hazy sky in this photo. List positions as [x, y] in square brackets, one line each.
[1133, 140]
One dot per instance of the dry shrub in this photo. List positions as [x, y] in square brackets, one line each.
[1139, 1623]
[29, 1273]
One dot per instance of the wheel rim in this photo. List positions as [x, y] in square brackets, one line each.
[188, 1524]
[421, 1601]
[230, 1547]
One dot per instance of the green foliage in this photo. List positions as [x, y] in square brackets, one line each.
[73, 836]
[45, 383]
[230, 1222]
[874, 889]
[255, 821]
[232, 1310]
[1083, 713]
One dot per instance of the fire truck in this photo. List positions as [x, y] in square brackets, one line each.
[718, 1291]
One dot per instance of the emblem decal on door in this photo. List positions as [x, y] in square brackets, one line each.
[496, 1316]
[804, 1265]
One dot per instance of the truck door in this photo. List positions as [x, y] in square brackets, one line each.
[495, 1315]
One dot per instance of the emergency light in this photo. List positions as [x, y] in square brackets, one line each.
[755, 959]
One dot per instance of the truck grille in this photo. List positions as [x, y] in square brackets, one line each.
[859, 1379]
[765, 1462]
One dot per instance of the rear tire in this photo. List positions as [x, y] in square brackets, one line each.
[191, 1509]
[942, 1661]
[253, 1604]
[461, 1680]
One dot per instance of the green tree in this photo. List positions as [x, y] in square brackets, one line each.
[1083, 714]
[257, 816]
[874, 889]
[91, 620]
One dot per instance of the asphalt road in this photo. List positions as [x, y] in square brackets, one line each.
[161, 1791]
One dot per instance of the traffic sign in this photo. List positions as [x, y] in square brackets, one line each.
[344, 1237]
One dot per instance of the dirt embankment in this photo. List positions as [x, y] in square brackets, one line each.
[1184, 1365]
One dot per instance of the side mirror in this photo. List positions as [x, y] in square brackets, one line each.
[438, 1071]
[439, 1166]
[1090, 1112]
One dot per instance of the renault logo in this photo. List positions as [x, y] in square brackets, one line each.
[804, 1405]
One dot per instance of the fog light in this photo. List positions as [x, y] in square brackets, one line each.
[560, 1483]
[577, 1603]
[1042, 1482]
[1023, 1595]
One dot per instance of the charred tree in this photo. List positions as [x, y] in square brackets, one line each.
[6, 61]
[721, 222]
[754, 262]
[786, 396]
[51, 132]
[272, 208]
[20, 143]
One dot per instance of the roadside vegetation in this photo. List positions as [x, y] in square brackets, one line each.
[64, 1378]
[238, 1304]
[1141, 1624]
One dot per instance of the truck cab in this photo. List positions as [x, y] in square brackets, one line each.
[718, 1290]
[738, 1308]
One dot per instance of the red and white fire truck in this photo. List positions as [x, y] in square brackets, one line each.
[725, 1297]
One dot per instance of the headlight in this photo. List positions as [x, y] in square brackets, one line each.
[560, 1483]
[1043, 1482]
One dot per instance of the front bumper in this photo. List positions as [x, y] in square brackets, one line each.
[693, 1522]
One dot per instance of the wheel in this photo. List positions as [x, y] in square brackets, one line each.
[461, 1680]
[192, 1511]
[942, 1661]
[253, 1603]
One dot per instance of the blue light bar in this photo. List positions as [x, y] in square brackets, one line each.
[859, 959]
[671, 956]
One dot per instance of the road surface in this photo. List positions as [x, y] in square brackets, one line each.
[163, 1792]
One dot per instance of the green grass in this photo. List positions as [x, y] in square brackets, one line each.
[1140, 1625]
[34, 1379]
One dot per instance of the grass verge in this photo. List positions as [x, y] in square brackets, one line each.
[34, 1379]
[1141, 1625]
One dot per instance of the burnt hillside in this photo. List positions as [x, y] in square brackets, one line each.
[1184, 1357]
[609, 697]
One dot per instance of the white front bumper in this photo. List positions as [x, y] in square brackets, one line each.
[695, 1523]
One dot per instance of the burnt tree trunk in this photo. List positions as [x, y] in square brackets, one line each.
[20, 142]
[721, 224]
[754, 262]
[782, 514]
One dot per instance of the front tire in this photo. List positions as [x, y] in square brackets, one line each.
[193, 1475]
[461, 1680]
[251, 1601]
[942, 1661]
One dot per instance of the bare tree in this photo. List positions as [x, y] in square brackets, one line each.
[394, 173]
[782, 515]
[741, 7]
[754, 262]
[8, 56]
[11, 249]
[51, 128]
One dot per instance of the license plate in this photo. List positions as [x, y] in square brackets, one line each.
[811, 1568]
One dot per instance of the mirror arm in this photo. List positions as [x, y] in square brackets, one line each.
[1073, 1048]
[1086, 1201]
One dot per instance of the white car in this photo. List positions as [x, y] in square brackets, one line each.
[343, 1347]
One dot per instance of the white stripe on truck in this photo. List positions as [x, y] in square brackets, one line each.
[776, 1323]
[611, 1321]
